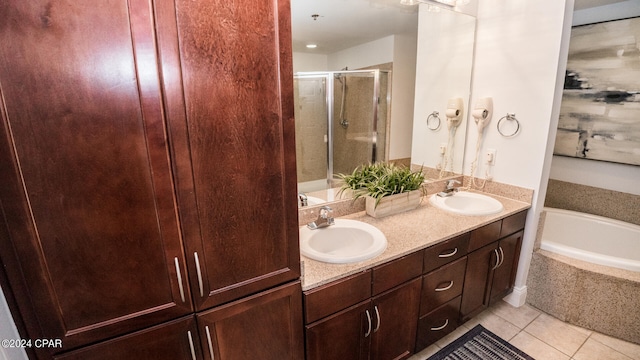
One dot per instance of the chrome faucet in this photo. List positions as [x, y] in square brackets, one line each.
[451, 189]
[323, 219]
[302, 199]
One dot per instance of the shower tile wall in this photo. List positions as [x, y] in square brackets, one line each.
[592, 200]
[311, 153]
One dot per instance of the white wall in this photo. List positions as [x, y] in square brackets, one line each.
[8, 331]
[443, 71]
[309, 62]
[403, 94]
[372, 53]
[605, 175]
[520, 62]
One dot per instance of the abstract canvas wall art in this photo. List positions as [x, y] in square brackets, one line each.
[600, 112]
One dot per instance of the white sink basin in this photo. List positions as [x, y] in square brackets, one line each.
[347, 241]
[467, 203]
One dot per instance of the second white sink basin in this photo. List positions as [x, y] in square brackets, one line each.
[467, 203]
[346, 241]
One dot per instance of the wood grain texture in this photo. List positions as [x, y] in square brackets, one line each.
[88, 197]
[237, 178]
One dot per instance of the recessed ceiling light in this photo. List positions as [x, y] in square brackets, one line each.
[311, 46]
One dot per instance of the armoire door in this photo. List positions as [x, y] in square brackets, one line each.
[227, 75]
[93, 247]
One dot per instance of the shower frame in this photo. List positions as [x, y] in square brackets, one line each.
[330, 77]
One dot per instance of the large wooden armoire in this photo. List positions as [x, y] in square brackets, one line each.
[147, 178]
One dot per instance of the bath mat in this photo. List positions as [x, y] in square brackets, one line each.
[480, 344]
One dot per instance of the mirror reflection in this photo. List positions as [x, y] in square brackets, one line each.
[355, 91]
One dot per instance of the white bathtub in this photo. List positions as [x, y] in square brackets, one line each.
[592, 238]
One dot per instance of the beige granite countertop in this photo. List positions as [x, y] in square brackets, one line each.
[406, 233]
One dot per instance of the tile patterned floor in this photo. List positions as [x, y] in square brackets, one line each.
[542, 336]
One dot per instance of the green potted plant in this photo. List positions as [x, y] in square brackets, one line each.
[389, 189]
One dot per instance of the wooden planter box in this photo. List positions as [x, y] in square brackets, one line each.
[393, 204]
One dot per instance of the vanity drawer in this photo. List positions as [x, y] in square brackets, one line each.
[513, 223]
[333, 297]
[397, 272]
[484, 235]
[435, 325]
[445, 252]
[442, 285]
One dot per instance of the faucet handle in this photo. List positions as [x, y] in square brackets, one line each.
[451, 183]
[325, 211]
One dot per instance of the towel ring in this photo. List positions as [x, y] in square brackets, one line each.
[509, 116]
[435, 115]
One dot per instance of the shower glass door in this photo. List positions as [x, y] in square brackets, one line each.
[341, 123]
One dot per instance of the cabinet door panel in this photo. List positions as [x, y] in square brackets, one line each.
[263, 326]
[395, 323]
[177, 340]
[504, 275]
[234, 148]
[87, 191]
[342, 335]
[475, 295]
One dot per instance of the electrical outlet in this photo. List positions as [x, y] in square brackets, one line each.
[443, 148]
[490, 157]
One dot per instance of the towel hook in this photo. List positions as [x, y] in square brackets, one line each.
[510, 117]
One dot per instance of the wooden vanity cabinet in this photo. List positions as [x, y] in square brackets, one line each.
[381, 325]
[263, 326]
[174, 340]
[492, 264]
[147, 162]
[230, 120]
[445, 264]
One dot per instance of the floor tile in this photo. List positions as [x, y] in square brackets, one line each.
[425, 353]
[594, 350]
[558, 334]
[537, 348]
[519, 316]
[629, 349]
[495, 324]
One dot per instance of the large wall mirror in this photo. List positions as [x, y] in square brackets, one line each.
[365, 91]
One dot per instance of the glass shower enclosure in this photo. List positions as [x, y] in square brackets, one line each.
[342, 122]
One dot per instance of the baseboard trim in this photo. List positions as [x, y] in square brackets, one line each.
[518, 297]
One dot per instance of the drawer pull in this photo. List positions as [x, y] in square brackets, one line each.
[209, 343]
[377, 319]
[369, 322]
[179, 275]
[199, 273]
[446, 322]
[501, 256]
[446, 287]
[453, 252]
[497, 259]
[193, 351]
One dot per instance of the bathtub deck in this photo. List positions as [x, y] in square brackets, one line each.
[592, 296]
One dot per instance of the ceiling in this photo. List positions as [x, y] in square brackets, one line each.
[342, 24]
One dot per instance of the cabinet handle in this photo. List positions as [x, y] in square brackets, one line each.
[453, 252]
[446, 322]
[377, 319]
[195, 255]
[501, 256]
[193, 351]
[497, 259]
[369, 321]
[213, 357]
[175, 261]
[446, 287]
